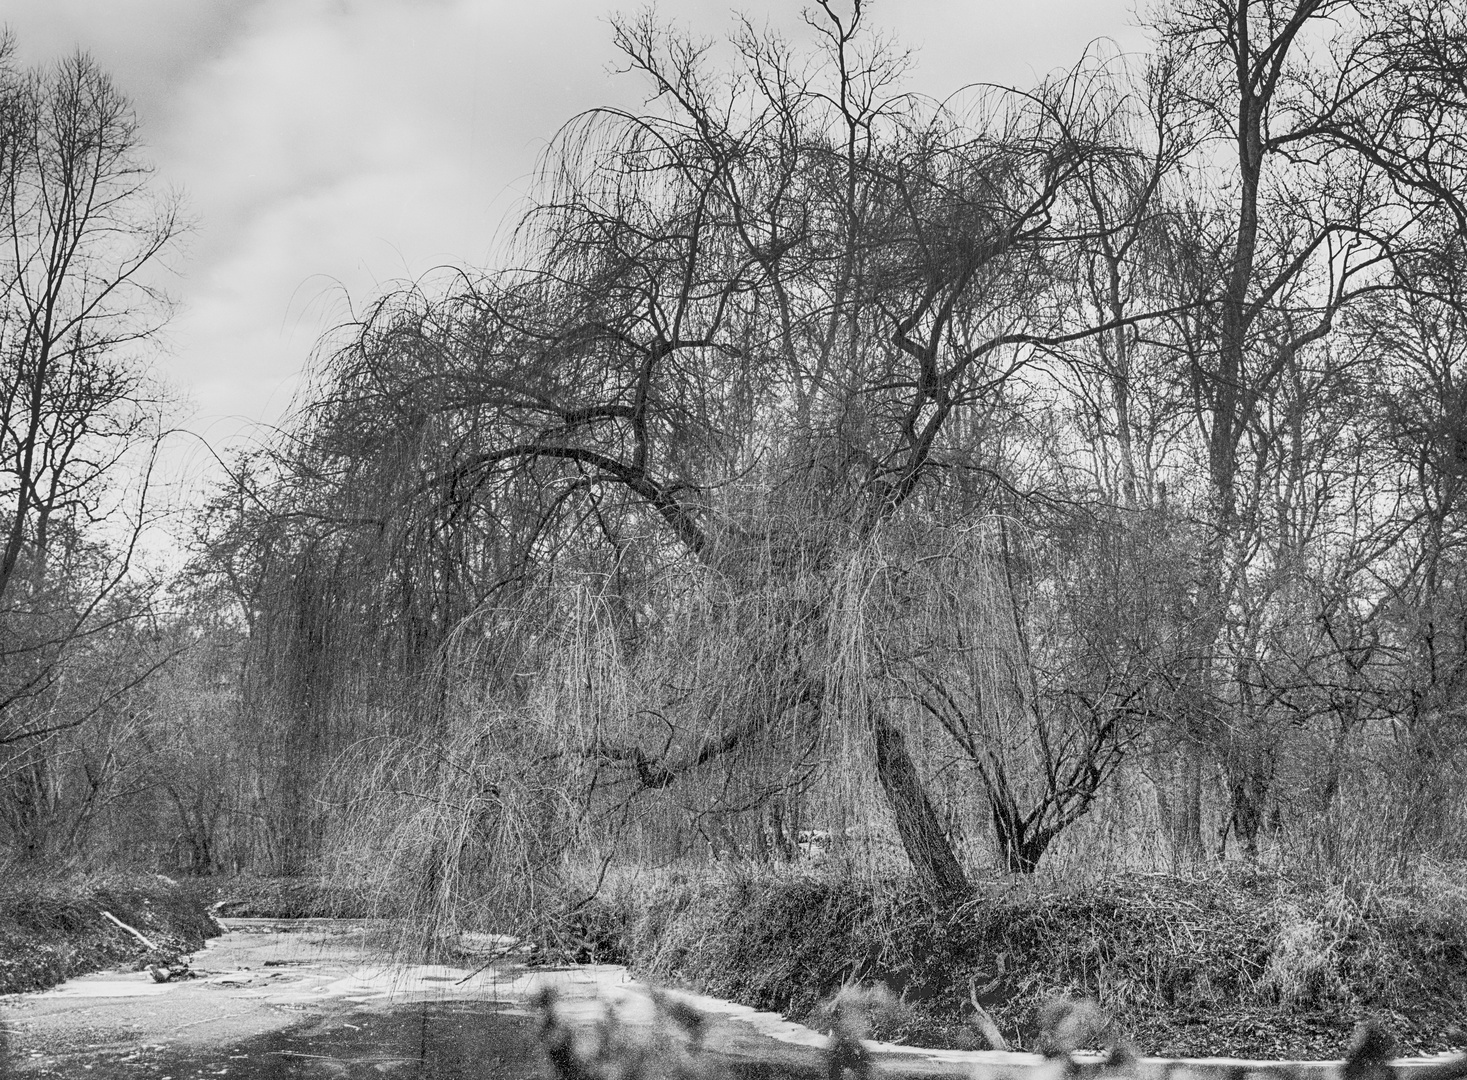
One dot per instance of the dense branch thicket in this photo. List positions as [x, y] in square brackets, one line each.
[840, 470]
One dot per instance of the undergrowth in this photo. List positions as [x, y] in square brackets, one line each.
[52, 926]
[1237, 964]
[252, 897]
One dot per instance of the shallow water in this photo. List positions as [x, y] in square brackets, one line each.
[278, 998]
[447, 1040]
[420, 1041]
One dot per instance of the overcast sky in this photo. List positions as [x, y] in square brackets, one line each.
[326, 148]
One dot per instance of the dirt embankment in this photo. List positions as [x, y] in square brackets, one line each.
[53, 926]
[1227, 965]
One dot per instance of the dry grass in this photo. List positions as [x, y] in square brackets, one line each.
[1227, 963]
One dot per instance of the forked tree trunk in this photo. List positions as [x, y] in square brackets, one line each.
[923, 838]
[1021, 843]
[1249, 779]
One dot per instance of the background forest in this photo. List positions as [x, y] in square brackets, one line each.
[1070, 474]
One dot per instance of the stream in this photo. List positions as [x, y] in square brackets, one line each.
[443, 1041]
[324, 998]
[422, 1041]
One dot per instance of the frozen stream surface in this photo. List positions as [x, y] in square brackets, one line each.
[316, 998]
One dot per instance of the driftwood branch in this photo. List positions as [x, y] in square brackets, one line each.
[982, 1021]
[134, 932]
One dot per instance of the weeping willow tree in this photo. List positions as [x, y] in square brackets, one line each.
[577, 546]
[576, 741]
[839, 461]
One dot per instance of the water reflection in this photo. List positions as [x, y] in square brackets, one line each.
[422, 1041]
[442, 1041]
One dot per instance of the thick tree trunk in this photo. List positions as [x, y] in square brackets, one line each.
[923, 839]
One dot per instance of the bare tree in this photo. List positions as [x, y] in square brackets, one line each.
[1322, 158]
[82, 232]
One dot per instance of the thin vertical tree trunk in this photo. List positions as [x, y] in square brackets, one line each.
[1250, 776]
[1178, 782]
[1187, 841]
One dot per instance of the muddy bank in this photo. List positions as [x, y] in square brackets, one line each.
[55, 926]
